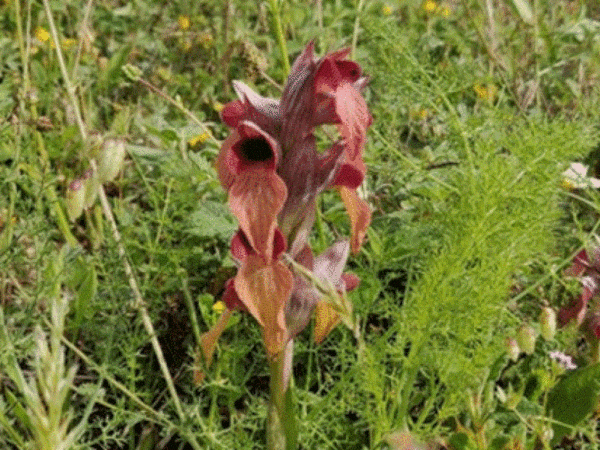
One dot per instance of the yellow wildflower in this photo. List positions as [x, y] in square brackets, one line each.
[67, 43]
[199, 139]
[430, 6]
[419, 114]
[486, 92]
[219, 307]
[184, 22]
[217, 106]
[445, 11]
[386, 10]
[41, 34]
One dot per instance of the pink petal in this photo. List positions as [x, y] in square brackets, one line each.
[351, 174]
[578, 309]
[330, 264]
[241, 248]
[255, 198]
[355, 118]
[360, 216]
[265, 288]
[230, 297]
[580, 264]
[208, 343]
[351, 281]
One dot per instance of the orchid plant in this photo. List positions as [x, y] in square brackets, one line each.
[585, 311]
[273, 173]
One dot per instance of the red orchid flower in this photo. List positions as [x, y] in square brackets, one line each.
[588, 269]
[273, 173]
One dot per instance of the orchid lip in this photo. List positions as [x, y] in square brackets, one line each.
[256, 149]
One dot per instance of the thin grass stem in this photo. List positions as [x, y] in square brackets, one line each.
[139, 303]
[279, 35]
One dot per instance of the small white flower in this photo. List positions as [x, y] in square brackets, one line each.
[575, 177]
[563, 359]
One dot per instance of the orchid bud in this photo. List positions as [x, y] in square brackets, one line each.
[90, 183]
[548, 323]
[112, 159]
[526, 338]
[512, 348]
[75, 199]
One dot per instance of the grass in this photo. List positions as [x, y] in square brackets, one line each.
[478, 106]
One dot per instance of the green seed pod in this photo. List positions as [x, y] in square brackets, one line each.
[90, 182]
[112, 159]
[526, 338]
[512, 348]
[75, 199]
[548, 323]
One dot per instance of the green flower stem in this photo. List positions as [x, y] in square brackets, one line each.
[282, 431]
[278, 29]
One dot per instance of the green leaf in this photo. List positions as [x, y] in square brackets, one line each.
[573, 398]
[211, 219]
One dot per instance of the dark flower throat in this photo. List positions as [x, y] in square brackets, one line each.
[256, 150]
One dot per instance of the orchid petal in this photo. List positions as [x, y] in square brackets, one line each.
[234, 112]
[578, 309]
[241, 248]
[255, 198]
[360, 216]
[326, 319]
[351, 281]
[265, 288]
[231, 299]
[252, 107]
[208, 342]
[329, 265]
[354, 116]
[225, 169]
[351, 174]
[581, 262]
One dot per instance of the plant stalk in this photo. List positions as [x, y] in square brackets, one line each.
[282, 430]
[278, 30]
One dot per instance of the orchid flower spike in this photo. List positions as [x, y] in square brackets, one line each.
[273, 173]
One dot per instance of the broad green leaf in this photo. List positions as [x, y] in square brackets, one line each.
[211, 219]
[573, 398]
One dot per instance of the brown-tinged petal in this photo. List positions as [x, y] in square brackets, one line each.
[240, 247]
[360, 216]
[351, 281]
[304, 296]
[329, 265]
[255, 198]
[578, 309]
[253, 107]
[224, 164]
[326, 319]
[234, 112]
[351, 174]
[231, 299]
[208, 342]
[581, 263]
[254, 147]
[306, 59]
[248, 147]
[265, 288]
[351, 108]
